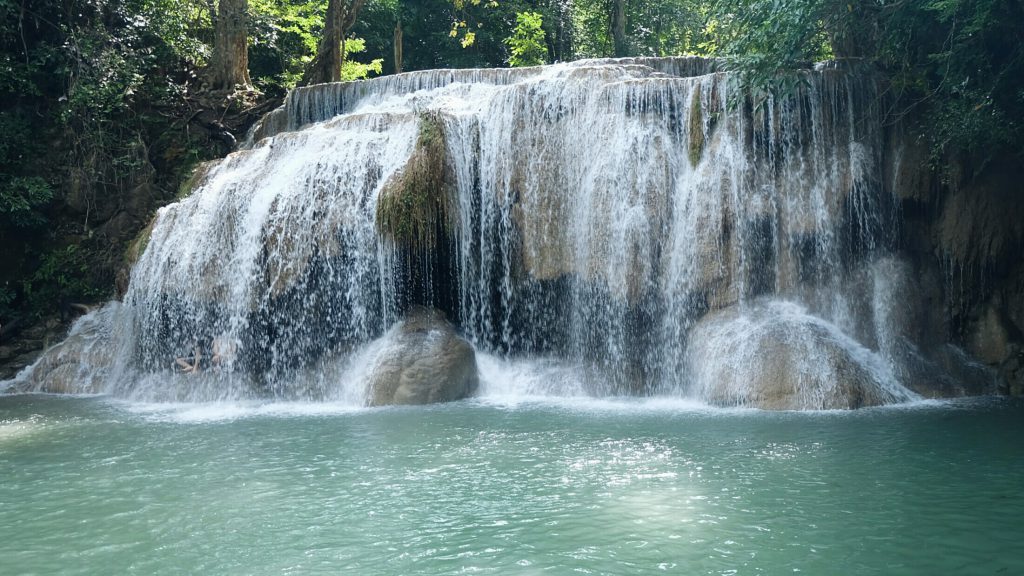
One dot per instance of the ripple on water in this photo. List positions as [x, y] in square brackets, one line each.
[538, 488]
[200, 412]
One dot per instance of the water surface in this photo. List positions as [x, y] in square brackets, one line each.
[98, 486]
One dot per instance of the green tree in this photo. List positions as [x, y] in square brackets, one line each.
[526, 44]
[353, 70]
[603, 28]
[955, 68]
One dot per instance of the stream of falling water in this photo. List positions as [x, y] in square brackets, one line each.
[630, 226]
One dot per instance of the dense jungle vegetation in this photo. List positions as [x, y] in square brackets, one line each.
[107, 105]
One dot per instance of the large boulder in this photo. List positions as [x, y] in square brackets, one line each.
[776, 356]
[421, 361]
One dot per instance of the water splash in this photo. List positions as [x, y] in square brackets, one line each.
[776, 355]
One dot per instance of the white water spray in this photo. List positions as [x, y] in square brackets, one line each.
[606, 213]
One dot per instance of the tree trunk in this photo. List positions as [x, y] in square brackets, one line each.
[619, 28]
[326, 65]
[563, 40]
[230, 64]
[398, 46]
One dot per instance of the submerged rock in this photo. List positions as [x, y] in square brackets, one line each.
[776, 356]
[421, 361]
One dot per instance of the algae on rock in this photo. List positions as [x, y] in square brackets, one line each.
[696, 144]
[139, 243]
[415, 206]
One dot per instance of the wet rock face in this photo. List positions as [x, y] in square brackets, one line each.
[1012, 375]
[994, 340]
[21, 349]
[991, 341]
[422, 361]
[79, 364]
[775, 356]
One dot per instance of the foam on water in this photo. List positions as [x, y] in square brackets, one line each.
[11, 431]
[207, 412]
[227, 411]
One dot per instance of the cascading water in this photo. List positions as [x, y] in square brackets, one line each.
[638, 224]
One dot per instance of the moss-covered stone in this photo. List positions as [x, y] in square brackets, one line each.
[139, 243]
[415, 206]
[135, 249]
[696, 144]
[195, 178]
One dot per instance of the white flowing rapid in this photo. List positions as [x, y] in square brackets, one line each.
[610, 227]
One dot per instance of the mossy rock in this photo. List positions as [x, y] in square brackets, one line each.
[139, 243]
[135, 250]
[702, 121]
[195, 179]
[696, 143]
[415, 206]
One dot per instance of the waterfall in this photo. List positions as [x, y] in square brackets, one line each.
[641, 223]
